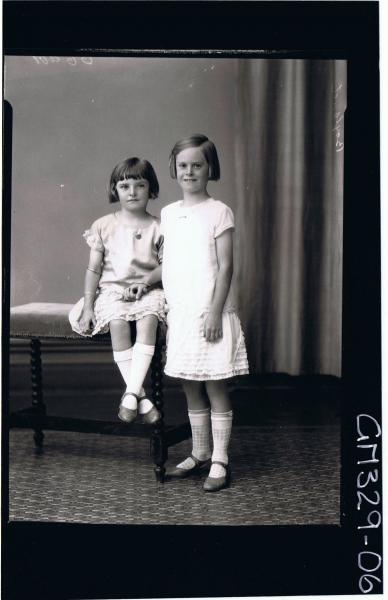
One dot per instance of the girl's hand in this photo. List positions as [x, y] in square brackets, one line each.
[212, 326]
[135, 291]
[128, 295]
[87, 320]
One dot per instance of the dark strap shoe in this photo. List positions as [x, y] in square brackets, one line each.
[152, 416]
[127, 414]
[215, 484]
[178, 473]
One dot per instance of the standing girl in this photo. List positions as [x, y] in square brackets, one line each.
[123, 282]
[205, 344]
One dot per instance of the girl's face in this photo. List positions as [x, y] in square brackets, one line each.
[192, 170]
[133, 194]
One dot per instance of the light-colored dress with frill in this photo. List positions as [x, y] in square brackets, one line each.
[189, 273]
[128, 255]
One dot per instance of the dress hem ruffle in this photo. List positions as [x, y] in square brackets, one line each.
[190, 356]
[207, 376]
[104, 327]
[109, 306]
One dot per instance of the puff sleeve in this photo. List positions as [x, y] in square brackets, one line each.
[93, 238]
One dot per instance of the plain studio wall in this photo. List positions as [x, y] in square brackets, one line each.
[73, 120]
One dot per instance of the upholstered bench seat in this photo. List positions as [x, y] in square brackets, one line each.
[42, 320]
[47, 320]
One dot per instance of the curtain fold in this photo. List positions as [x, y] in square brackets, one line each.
[289, 159]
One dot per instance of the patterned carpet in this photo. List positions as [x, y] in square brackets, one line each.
[281, 476]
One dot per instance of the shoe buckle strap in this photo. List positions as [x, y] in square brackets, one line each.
[218, 462]
[129, 394]
[197, 461]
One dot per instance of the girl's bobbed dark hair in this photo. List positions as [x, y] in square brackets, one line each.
[133, 168]
[208, 149]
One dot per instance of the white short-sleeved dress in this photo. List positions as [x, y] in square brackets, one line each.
[128, 255]
[189, 274]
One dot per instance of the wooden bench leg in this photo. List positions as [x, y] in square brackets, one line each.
[36, 387]
[158, 446]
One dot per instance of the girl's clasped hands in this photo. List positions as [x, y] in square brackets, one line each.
[135, 291]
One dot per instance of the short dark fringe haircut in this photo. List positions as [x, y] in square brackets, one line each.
[208, 149]
[133, 168]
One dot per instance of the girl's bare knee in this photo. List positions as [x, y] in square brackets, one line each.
[216, 387]
[146, 329]
[192, 387]
[195, 394]
[219, 396]
[120, 334]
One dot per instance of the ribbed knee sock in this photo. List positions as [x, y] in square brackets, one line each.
[221, 430]
[200, 428]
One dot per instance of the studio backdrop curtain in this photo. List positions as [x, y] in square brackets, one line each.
[289, 159]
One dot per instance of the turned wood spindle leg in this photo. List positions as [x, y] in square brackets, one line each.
[36, 387]
[158, 445]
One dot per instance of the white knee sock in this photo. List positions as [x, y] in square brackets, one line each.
[123, 359]
[200, 428]
[221, 429]
[141, 360]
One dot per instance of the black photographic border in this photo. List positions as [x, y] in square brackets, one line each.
[58, 561]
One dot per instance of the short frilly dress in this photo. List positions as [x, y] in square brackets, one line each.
[189, 274]
[128, 254]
